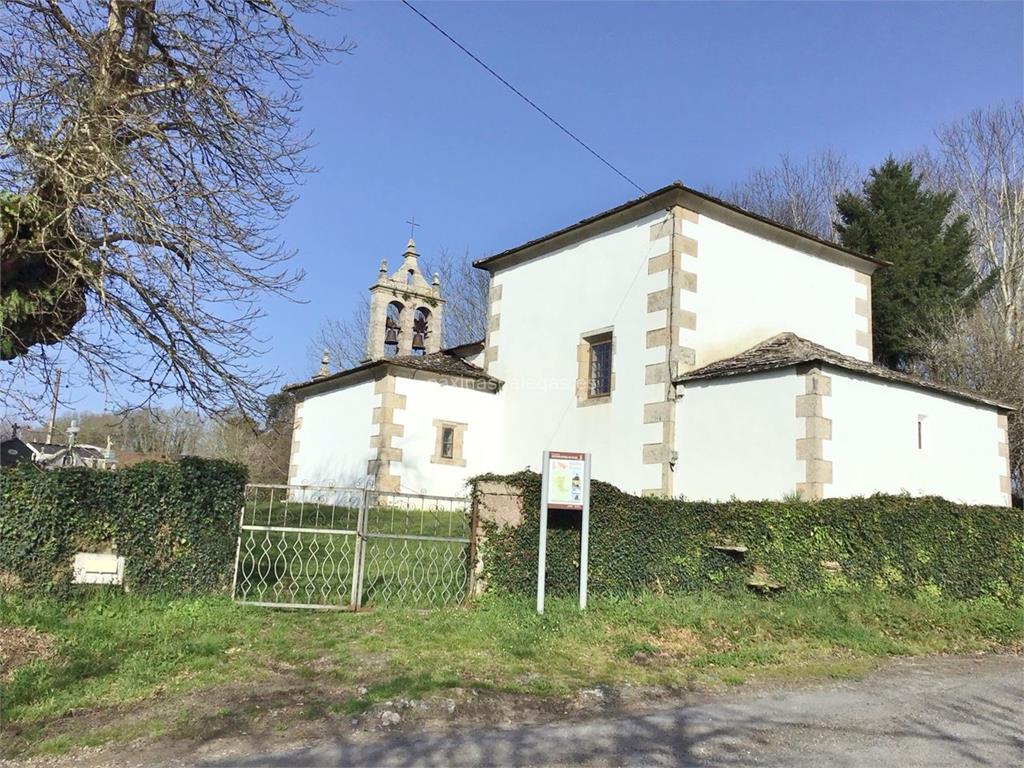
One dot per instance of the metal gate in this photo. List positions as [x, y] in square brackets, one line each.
[350, 548]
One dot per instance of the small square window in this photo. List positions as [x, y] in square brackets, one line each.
[449, 443]
[600, 366]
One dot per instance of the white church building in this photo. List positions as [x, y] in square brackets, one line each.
[694, 349]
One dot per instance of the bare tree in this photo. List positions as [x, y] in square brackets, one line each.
[264, 449]
[171, 431]
[465, 291]
[463, 287]
[148, 150]
[981, 158]
[344, 337]
[799, 194]
[94, 428]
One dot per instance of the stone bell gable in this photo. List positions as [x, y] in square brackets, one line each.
[405, 310]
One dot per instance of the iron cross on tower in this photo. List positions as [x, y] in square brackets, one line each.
[412, 227]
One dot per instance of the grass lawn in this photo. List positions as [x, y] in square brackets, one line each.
[96, 653]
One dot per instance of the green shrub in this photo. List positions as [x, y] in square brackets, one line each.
[175, 524]
[921, 547]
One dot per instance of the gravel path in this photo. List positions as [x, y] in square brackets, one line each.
[924, 712]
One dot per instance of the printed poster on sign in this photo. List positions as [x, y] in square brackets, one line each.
[565, 480]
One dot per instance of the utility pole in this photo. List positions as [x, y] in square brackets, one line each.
[53, 408]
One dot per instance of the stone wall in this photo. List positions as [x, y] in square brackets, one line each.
[494, 502]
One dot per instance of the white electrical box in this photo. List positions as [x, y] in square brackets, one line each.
[98, 568]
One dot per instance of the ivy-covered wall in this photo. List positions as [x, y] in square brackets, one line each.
[175, 524]
[912, 546]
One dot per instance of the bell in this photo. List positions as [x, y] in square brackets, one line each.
[391, 336]
[419, 342]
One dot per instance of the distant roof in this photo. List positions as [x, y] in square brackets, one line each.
[84, 450]
[788, 349]
[47, 449]
[663, 198]
[444, 363]
[469, 349]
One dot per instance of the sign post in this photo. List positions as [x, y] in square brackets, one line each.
[565, 484]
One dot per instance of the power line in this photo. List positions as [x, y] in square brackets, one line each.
[523, 96]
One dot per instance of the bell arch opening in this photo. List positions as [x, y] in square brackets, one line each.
[420, 330]
[393, 328]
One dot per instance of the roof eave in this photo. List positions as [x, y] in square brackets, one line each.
[489, 382]
[657, 200]
[365, 371]
[334, 377]
[910, 382]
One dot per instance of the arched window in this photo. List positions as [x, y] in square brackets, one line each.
[420, 330]
[392, 328]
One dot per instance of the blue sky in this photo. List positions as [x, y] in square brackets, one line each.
[407, 125]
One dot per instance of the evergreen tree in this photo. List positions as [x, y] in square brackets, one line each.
[896, 219]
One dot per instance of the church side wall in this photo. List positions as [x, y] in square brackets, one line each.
[750, 288]
[736, 437]
[545, 307]
[874, 445]
[428, 401]
[331, 445]
[679, 289]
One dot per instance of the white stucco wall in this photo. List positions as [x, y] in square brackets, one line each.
[874, 442]
[334, 437]
[545, 305]
[750, 289]
[477, 359]
[426, 400]
[736, 436]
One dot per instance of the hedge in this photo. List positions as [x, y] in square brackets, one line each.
[174, 523]
[912, 546]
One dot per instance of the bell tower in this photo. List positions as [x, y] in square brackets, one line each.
[405, 311]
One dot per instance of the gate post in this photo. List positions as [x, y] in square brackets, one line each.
[474, 522]
[238, 545]
[359, 558]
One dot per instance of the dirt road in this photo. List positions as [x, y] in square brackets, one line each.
[925, 712]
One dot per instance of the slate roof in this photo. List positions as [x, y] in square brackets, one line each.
[444, 363]
[468, 349]
[787, 349]
[669, 191]
[83, 450]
